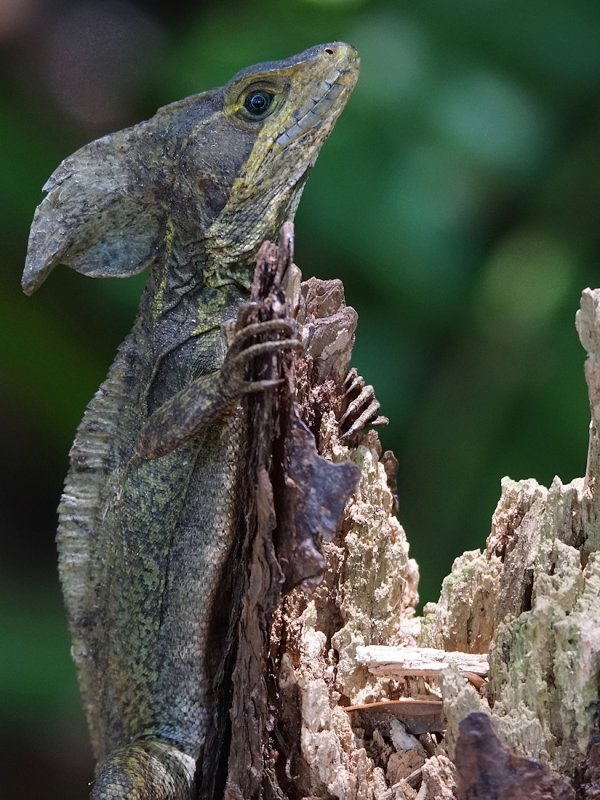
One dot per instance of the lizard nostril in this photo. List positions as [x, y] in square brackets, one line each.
[329, 51]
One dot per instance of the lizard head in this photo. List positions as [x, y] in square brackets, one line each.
[287, 108]
[224, 168]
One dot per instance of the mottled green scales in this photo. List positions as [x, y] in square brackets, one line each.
[151, 505]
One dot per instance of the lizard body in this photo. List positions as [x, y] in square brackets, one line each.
[150, 509]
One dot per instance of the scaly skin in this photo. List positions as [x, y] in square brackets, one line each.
[143, 539]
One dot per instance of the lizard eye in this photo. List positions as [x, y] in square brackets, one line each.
[257, 102]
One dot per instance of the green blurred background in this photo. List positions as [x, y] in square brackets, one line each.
[458, 199]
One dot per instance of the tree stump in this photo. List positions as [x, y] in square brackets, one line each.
[331, 699]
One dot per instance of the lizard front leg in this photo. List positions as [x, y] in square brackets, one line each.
[196, 406]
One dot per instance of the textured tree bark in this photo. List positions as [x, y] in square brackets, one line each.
[318, 709]
[532, 598]
[295, 665]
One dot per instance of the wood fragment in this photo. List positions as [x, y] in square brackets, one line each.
[439, 780]
[413, 780]
[486, 769]
[408, 705]
[398, 662]
[289, 737]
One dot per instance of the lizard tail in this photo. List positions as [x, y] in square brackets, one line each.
[146, 770]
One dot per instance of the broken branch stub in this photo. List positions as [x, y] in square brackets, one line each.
[533, 598]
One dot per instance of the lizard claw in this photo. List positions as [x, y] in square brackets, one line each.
[244, 357]
[257, 339]
[239, 373]
[241, 336]
[362, 407]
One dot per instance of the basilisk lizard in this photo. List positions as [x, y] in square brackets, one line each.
[150, 509]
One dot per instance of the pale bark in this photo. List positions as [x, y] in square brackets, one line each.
[353, 720]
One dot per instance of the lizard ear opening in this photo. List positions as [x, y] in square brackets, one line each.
[100, 216]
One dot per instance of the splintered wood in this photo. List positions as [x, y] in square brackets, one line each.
[401, 662]
[291, 736]
[532, 597]
[497, 685]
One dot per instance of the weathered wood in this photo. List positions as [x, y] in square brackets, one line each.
[289, 736]
[485, 769]
[398, 662]
[367, 595]
[351, 718]
[533, 598]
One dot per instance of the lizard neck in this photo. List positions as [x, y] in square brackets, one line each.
[179, 328]
[187, 269]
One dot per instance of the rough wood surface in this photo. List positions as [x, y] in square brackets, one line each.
[323, 725]
[294, 663]
[484, 768]
[367, 593]
[398, 662]
[532, 597]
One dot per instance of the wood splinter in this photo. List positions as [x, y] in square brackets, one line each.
[399, 662]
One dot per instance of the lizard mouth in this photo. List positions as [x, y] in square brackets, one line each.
[323, 106]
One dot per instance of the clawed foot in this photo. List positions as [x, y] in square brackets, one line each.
[208, 396]
[243, 351]
[362, 408]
